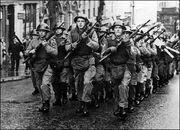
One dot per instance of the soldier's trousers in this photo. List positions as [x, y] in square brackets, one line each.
[43, 81]
[98, 89]
[155, 76]
[172, 67]
[178, 66]
[132, 86]
[142, 77]
[149, 79]
[33, 78]
[121, 77]
[60, 80]
[83, 83]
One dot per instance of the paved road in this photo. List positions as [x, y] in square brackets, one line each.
[19, 110]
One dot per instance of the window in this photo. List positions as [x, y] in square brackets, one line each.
[89, 13]
[94, 12]
[30, 18]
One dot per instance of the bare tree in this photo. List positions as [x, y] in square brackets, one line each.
[52, 6]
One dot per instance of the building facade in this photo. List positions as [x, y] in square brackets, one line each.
[168, 14]
[21, 16]
[169, 17]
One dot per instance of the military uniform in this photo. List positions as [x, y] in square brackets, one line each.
[60, 79]
[41, 66]
[83, 64]
[142, 75]
[119, 71]
[33, 43]
[149, 84]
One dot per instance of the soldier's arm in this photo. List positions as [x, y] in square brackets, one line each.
[152, 49]
[93, 41]
[68, 45]
[29, 47]
[51, 47]
[105, 44]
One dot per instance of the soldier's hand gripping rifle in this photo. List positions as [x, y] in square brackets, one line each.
[80, 39]
[31, 56]
[131, 36]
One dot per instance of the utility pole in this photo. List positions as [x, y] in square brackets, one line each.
[132, 12]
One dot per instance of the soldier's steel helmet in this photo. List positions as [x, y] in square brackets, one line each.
[43, 27]
[33, 33]
[59, 26]
[128, 30]
[118, 23]
[81, 16]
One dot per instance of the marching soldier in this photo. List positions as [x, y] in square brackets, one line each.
[41, 65]
[83, 62]
[153, 52]
[34, 37]
[133, 67]
[142, 75]
[14, 50]
[119, 71]
[60, 68]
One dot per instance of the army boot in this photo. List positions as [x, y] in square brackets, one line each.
[85, 110]
[45, 107]
[81, 107]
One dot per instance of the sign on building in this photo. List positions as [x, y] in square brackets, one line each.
[21, 15]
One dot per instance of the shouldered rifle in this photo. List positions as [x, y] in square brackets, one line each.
[157, 37]
[142, 36]
[80, 39]
[151, 35]
[30, 56]
[131, 36]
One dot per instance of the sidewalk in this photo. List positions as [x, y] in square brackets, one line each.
[6, 75]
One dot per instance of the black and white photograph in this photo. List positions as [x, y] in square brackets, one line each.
[89, 64]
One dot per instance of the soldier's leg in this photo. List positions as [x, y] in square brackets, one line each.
[132, 92]
[155, 77]
[33, 78]
[78, 76]
[108, 85]
[124, 89]
[17, 64]
[123, 92]
[178, 67]
[12, 66]
[88, 86]
[148, 84]
[46, 90]
[142, 76]
[161, 73]
[98, 89]
[72, 89]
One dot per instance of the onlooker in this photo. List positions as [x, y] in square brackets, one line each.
[14, 51]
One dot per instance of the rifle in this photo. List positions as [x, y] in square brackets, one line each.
[19, 41]
[80, 39]
[149, 37]
[157, 37]
[131, 36]
[142, 36]
[30, 56]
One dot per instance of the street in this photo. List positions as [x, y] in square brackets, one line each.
[19, 110]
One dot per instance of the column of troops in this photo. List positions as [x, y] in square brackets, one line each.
[92, 63]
